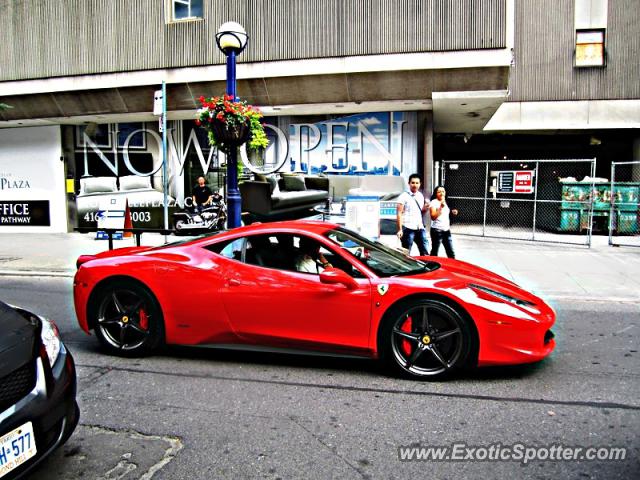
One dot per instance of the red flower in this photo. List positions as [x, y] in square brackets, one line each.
[198, 122]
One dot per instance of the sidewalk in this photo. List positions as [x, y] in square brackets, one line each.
[601, 273]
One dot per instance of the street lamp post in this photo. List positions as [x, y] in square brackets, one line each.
[231, 39]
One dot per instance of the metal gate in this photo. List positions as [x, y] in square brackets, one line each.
[624, 204]
[534, 200]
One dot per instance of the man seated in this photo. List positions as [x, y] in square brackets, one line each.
[202, 195]
[309, 258]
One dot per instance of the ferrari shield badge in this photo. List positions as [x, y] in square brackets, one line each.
[383, 288]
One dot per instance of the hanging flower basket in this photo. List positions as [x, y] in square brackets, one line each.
[229, 124]
[229, 136]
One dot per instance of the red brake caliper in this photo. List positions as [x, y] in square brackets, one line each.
[406, 346]
[144, 320]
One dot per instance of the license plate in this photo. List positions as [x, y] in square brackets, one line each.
[16, 447]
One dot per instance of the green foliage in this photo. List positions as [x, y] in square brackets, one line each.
[231, 114]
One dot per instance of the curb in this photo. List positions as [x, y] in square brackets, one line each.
[37, 273]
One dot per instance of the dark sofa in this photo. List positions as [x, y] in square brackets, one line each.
[293, 193]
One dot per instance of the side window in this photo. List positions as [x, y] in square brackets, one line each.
[311, 255]
[270, 251]
[232, 249]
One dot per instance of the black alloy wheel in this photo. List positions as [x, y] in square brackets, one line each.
[425, 339]
[127, 319]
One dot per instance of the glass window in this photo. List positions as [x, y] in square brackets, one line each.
[183, 9]
[232, 249]
[590, 48]
[100, 135]
[137, 140]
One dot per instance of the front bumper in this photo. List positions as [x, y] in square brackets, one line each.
[50, 406]
[508, 341]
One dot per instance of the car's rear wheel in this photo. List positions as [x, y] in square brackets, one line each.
[127, 319]
[425, 339]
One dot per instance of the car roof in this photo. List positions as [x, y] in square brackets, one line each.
[309, 226]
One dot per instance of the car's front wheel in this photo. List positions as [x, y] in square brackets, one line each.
[425, 339]
[127, 318]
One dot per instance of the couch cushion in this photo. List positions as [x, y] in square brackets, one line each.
[294, 183]
[272, 180]
[291, 199]
[98, 185]
[134, 182]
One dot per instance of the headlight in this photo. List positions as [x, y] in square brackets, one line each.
[50, 339]
[503, 296]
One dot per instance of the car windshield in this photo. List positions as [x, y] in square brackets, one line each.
[382, 260]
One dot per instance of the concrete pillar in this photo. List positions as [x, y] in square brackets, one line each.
[428, 170]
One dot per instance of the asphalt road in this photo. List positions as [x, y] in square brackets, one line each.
[203, 414]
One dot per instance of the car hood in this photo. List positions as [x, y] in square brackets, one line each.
[18, 339]
[457, 274]
[471, 273]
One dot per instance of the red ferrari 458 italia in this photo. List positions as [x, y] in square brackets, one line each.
[315, 287]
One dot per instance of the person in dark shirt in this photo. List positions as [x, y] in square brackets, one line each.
[201, 194]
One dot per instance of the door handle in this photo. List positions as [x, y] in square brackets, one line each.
[233, 282]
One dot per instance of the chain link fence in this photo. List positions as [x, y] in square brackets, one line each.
[624, 204]
[534, 200]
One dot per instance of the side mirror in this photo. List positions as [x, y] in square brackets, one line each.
[337, 276]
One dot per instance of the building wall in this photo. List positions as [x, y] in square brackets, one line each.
[73, 37]
[544, 54]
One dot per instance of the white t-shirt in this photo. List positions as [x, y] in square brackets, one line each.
[412, 212]
[307, 264]
[443, 222]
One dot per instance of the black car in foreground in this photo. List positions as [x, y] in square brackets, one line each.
[38, 409]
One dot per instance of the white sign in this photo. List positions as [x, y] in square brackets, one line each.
[157, 102]
[31, 172]
[363, 216]
[111, 212]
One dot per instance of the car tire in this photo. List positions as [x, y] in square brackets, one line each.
[425, 339]
[127, 319]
